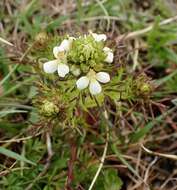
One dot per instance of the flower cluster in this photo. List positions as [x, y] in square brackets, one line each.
[84, 57]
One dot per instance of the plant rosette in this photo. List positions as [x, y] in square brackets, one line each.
[81, 72]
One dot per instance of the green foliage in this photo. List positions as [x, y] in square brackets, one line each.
[159, 41]
[127, 88]
[112, 181]
[171, 84]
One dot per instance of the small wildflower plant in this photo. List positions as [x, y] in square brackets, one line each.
[78, 74]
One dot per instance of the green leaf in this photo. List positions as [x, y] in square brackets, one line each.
[14, 155]
[112, 180]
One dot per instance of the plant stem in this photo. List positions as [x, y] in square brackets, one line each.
[104, 153]
[145, 30]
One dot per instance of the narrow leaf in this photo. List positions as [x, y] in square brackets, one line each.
[14, 155]
[122, 159]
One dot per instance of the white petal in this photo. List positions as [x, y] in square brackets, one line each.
[99, 37]
[95, 87]
[63, 69]
[72, 38]
[109, 58]
[82, 83]
[57, 50]
[66, 44]
[107, 49]
[103, 77]
[50, 66]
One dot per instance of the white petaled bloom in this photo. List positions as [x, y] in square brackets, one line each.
[66, 44]
[99, 37]
[59, 54]
[93, 80]
[109, 55]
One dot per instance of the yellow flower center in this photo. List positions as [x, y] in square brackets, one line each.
[61, 55]
[91, 75]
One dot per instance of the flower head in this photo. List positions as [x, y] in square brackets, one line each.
[83, 54]
[99, 37]
[92, 80]
[59, 63]
[85, 50]
[109, 55]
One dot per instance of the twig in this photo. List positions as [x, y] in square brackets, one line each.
[148, 169]
[146, 186]
[3, 173]
[135, 56]
[6, 42]
[138, 160]
[145, 30]
[170, 156]
[20, 139]
[26, 52]
[170, 178]
[104, 154]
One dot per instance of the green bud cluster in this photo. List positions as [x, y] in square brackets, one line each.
[48, 108]
[143, 85]
[87, 53]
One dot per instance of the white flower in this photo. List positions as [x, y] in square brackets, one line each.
[56, 65]
[64, 46]
[59, 54]
[99, 37]
[92, 80]
[110, 56]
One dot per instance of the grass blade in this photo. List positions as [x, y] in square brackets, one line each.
[14, 155]
[8, 75]
[122, 159]
[6, 112]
